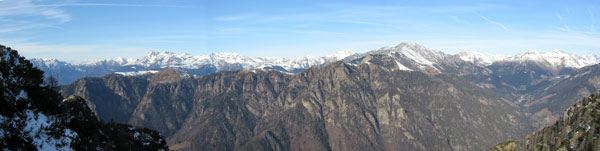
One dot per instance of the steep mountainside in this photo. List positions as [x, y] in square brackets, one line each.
[521, 75]
[33, 116]
[548, 104]
[578, 129]
[201, 65]
[367, 104]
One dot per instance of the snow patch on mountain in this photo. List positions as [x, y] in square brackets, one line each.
[136, 73]
[37, 124]
[402, 67]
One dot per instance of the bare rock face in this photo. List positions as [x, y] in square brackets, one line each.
[578, 129]
[362, 105]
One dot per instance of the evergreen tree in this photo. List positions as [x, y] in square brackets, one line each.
[25, 92]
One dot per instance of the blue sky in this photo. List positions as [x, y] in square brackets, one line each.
[82, 31]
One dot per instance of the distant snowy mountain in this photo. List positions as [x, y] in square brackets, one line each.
[221, 61]
[201, 65]
[479, 58]
[554, 59]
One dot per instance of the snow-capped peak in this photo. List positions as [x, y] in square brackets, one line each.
[341, 54]
[413, 56]
[592, 57]
[479, 58]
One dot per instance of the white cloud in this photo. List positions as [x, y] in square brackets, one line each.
[18, 8]
[27, 14]
[56, 14]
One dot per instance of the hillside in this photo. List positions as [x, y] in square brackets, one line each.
[34, 116]
[578, 129]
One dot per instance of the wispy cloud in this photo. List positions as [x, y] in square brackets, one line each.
[19, 8]
[558, 16]
[456, 19]
[380, 24]
[593, 20]
[303, 25]
[165, 39]
[495, 23]
[85, 4]
[236, 17]
[458, 9]
[28, 14]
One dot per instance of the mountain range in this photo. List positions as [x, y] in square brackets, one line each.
[406, 97]
[67, 73]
